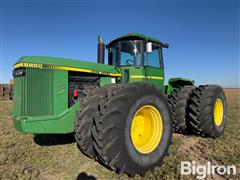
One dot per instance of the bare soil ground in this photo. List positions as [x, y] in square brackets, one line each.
[57, 157]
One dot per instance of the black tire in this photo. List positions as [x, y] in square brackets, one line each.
[84, 121]
[111, 130]
[178, 102]
[201, 111]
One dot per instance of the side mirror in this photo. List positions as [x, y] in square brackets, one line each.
[148, 47]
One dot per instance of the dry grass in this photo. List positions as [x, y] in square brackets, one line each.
[21, 157]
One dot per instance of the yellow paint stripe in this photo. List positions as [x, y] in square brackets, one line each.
[143, 77]
[155, 77]
[111, 74]
[67, 69]
[18, 65]
[138, 77]
[74, 69]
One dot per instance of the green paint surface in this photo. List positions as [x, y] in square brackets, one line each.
[105, 81]
[61, 123]
[176, 82]
[67, 63]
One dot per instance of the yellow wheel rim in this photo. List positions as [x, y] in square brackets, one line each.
[146, 129]
[218, 112]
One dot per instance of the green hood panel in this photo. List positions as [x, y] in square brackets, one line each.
[66, 64]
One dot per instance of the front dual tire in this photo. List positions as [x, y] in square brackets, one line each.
[131, 128]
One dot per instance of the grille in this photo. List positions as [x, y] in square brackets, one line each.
[33, 93]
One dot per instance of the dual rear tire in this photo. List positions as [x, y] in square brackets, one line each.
[208, 111]
[179, 103]
[201, 110]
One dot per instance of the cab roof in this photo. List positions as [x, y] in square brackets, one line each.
[138, 36]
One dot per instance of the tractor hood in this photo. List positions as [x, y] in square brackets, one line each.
[42, 62]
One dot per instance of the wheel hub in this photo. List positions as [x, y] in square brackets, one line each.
[146, 129]
[218, 112]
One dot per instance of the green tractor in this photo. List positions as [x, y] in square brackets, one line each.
[122, 114]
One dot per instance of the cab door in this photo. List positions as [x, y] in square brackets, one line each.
[153, 64]
[130, 57]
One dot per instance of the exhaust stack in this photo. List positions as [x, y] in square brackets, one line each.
[101, 50]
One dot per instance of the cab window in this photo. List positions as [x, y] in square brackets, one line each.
[153, 59]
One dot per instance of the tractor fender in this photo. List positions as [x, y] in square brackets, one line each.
[176, 82]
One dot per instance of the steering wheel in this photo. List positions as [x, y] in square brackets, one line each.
[129, 62]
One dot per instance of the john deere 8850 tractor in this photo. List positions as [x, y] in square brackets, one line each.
[121, 112]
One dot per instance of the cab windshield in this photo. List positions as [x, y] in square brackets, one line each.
[128, 53]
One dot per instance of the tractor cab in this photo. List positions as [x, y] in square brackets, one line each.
[136, 50]
[138, 57]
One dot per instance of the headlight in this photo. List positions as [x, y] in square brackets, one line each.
[19, 72]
